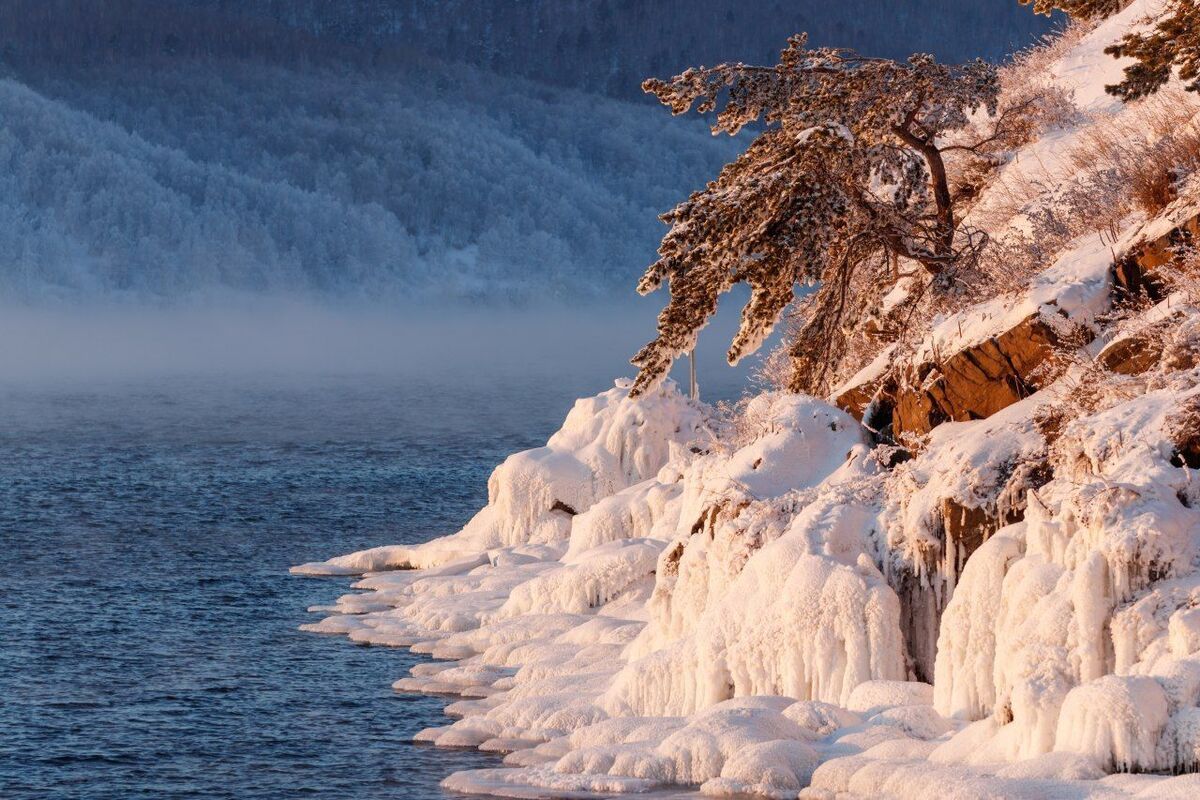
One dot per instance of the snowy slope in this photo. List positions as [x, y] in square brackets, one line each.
[746, 601]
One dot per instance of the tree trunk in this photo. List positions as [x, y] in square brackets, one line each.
[944, 238]
[941, 195]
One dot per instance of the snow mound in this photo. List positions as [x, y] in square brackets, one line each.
[1116, 720]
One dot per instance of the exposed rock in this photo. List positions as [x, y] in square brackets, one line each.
[1131, 355]
[872, 403]
[855, 399]
[973, 383]
[977, 381]
[925, 591]
[1136, 275]
[915, 410]
[966, 529]
[980, 380]
[1134, 280]
[1185, 432]
[1139, 351]
[559, 505]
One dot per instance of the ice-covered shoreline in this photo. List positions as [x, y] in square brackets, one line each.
[714, 616]
[551, 589]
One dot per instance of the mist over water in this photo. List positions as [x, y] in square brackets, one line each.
[580, 349]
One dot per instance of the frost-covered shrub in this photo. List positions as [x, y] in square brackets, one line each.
[1084, 9]
[1150, 151]
[1031, 104]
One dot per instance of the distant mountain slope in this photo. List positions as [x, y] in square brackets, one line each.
[611, 45]
[181, 176]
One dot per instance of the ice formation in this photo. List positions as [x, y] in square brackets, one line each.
[605, 445]
[759, 603]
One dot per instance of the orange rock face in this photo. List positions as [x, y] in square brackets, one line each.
[978, 381]
[1136, 272]
[1139, 352]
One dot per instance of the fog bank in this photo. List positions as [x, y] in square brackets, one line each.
[255, 337]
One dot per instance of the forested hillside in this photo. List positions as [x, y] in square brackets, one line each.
[203, 175]
[611, 45]
[164, 148]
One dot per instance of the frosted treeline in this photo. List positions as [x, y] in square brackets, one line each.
[605, 46]
[174, 177]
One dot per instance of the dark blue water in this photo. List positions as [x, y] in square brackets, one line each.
[148, 642]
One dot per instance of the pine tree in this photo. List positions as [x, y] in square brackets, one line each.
[847, 171]
[1174, 43]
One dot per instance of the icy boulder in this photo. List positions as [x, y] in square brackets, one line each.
[791, 623]
[607, 443]
[742, 495]
[779, 768]
[1179, 747]
[1184, 632]
[878, 696]
[963, 676]
[746, 746]
[585, 582]
[649, 509]
[767, 588]
[1116, 720]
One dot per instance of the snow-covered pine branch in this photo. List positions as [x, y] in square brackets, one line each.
[1173, 43]
[1080, 9]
